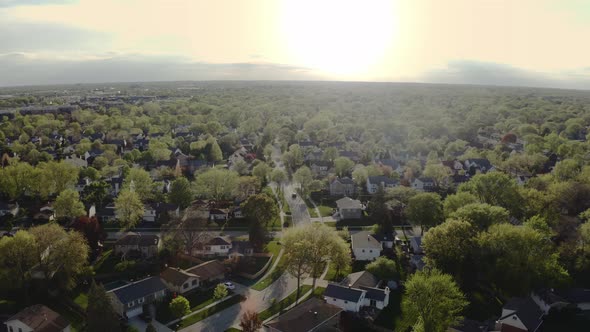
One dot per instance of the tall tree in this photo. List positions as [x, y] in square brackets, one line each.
[481, 215]
[68, 205]
[260, 210]
[100, 313]
[16, 179]
[250, 322]
[383, 268]
[261, 171]
[304, 177]
[343, 166]
[17, 257]
[453, 202]
[425, 210]
[180, 192]
[216, 184]
[140, 181]
[179, 306]
[96, 193]
[432, 301]
[215, 154]
[56, 176]
[495, 188]
[129, 209]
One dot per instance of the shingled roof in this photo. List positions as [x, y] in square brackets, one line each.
[41, 319]
[343, 293]
[307, 316]
[176, 276]
[132, 239]
[139, 289]
[208, 270]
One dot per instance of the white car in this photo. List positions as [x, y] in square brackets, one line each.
[229, 285]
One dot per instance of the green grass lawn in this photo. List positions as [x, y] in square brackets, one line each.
[273, 247]
[325, 210]
[331, 275]
[330, 223]
[82, 300]
[391, 316]
[106, 263]
[211, 311]
[284, 303]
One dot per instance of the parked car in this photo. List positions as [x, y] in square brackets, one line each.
[294, 195]
[229, 285]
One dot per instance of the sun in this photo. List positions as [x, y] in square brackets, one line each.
[345, 38]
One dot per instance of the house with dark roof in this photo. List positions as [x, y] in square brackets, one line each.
[209, 272]
[520, 314]
[37, 318]
[8, 208]
[365, 247]
[178, 280]
[423, 184]
[349, 208]
[358, 279]
[136, 244]
[478, 165]
[129, 300]
[548, 299]
[311, 315]
[216, 246]
[374, 182]
[320, 168]
[342, 187]
[353, 299]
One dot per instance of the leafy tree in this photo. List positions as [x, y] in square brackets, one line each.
[179, 306]
[294, 157]
[56, 176]
[278, 176]
[455, 201]
[519, 259]
[139, 181]
[425, 210]
[128, 208]
[330, 154]
[180, 192]
[215, 154]
[150, 328]
[495, 188]
[216, 183]
[16, 179]
[383, 268]
[304, 177]
[261, 210]
[17, 257]
[96, 193]
[220, 291]
[250, 322]
[246, 186]
[68, 205]
[481, 215]
[100, 313]
[566, 169]
[450, 246]
[297, 250]
[100, 162]
[432, 301]
[540, 224]
[438, 172]
[343, 166]
[379, 211]
[261, 171]
[241, 167]
[61, 255]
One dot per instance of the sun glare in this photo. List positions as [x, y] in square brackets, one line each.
[340, 37]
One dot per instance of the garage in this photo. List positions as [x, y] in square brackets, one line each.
[134, 312]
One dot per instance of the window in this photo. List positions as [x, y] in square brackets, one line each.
[371, 250]
[130, 304]
[11, 329]
[142, 300]
[363, 250]
[345, 301]
[185, 285]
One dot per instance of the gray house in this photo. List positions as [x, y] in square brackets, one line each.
[342, 187]
[349, 208]
[129, 300]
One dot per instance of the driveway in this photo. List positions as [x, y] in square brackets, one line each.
[140, 325]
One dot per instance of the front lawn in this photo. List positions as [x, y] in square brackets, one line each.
[82, 300]
[198, 300]
[325, 210]
[283, 304]
[332, 276]
[273, 247]
[210, 311]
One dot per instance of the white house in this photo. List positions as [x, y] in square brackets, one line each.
[349, 299]
[179, 281]
[149, 213]
[374, 182]
[353, 299]
[217, 246]
[520, 314]
[37, 318]
[365, 246]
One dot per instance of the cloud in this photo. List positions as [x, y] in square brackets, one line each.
[27, 69]
[488, 73]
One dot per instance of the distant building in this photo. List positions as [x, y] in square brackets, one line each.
[342, 187]
[349, 208]
[374, 182]
[37, 318]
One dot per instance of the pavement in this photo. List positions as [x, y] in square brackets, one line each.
[141, 325]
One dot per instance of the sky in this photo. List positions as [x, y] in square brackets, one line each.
[542, 43]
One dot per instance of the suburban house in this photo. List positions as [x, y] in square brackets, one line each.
[520, 314]
[365, 246]
[478, 165]
[216, 246]
[423, 184]
[320, 168]
[416, 244]
[548, 299]
[149, 213]
[454, 165]
[145, 246]
[218, 214]
[342, 187]
[374, 182]
[37, 318]
[8, 208]
[353, 299]
[311, 315]
[240, 249]
[129, 300]
[358, 279]
[107, 213]
[387, 239]
[82, 183]
[209, 272]
[349, 208]
[179, 281]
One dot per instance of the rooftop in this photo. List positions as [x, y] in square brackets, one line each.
[343, 293]
[365, 240]
[139, 289]
[40, 318]
[307, 316]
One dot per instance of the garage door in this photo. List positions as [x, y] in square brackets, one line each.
[134, 312]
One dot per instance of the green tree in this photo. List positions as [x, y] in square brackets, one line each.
[540, 224]
[330, 154]
[180, 192]
[179, 306]
[495, 188]
[438, 172]
[519, 259]
[16, 179]
[566, 169]
[425, 210]
[481, 215]
[57, 176]
[432, 301]
[61, 255]
[261, 171]
[128, 208]
[455, 201]
[17, 257]
[304, 177]
[343, 166]
[220, 291]
[383, 268]
[260, 210]
[140, 181]
[100, 313]
[68, 205]
[96, 193]
[216, 183]
[215, 154]
[450, 246]
[150, 328]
